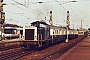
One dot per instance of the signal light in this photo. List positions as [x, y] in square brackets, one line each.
[1, 6]
[2, 20]
[1, 0]
[3, 15]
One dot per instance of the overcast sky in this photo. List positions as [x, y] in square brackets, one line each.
[31, 11]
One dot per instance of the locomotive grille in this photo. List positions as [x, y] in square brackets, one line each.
[29, 34]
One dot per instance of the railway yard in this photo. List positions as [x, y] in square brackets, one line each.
[33, 37]
[48, 53]
[39, 41]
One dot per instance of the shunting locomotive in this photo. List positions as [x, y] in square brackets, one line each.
[40, 34]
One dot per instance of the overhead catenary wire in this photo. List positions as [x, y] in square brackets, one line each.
[74, 13]
[53, 13]
[20, 3]
[26, 6]
[31, 8]
[60, 5]
[24, 15]
[24, 9]
[19, 14]
[64, 8]
[78, 19]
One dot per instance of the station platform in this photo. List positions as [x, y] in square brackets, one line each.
[80, 51]
[10, 40]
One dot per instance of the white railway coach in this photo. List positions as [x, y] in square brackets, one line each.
[81, 32]
[57, 33]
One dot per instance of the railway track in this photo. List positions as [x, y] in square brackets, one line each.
[14, 54]
[50, 53]
[7, 48]
[66, 46]
[9, 44]
[53, 52]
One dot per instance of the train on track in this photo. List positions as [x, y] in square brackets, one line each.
[40, 34]
[12, 32]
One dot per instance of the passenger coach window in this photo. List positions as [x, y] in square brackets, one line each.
[62, 32]
[57, 31]
[53, 32]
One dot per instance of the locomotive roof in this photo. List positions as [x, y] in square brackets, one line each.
[41, 22]
[56, 27]
[13, 28]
